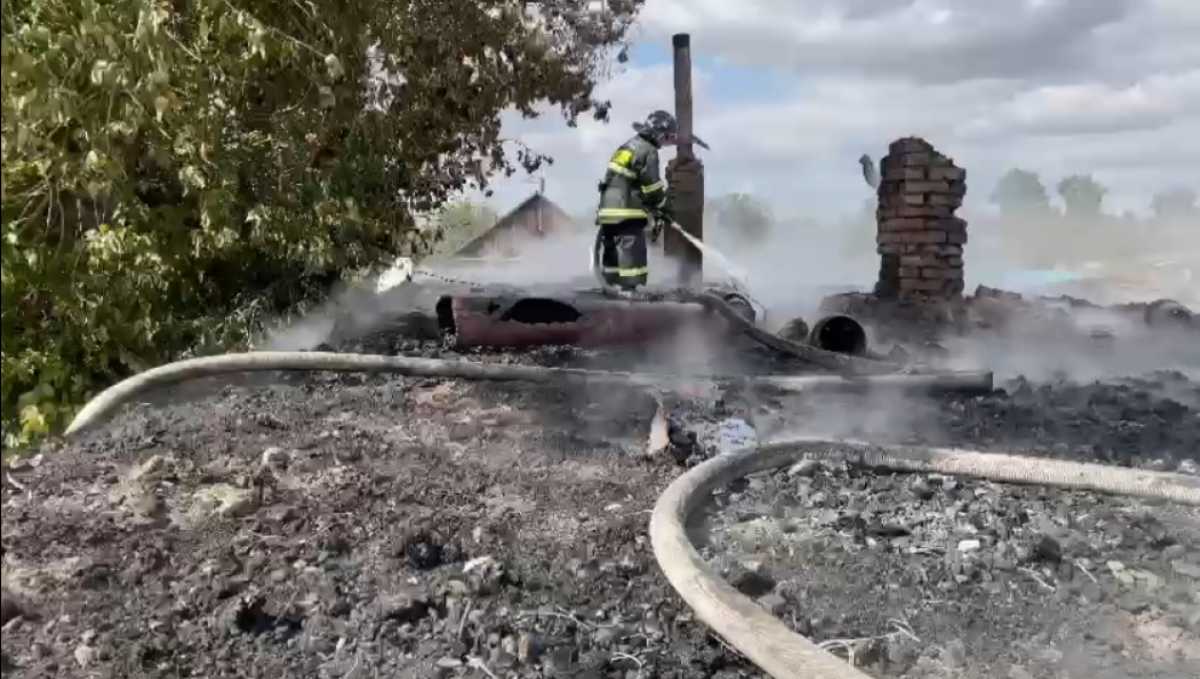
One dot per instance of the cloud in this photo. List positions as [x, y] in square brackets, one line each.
[924, 40]
[790, 93]
[1094, 108]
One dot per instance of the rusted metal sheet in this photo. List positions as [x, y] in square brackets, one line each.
[539, 321]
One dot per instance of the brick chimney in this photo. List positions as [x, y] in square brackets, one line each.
[920, 241]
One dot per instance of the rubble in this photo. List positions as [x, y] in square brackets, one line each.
[426, 526]
[934, 565]
[921, 327]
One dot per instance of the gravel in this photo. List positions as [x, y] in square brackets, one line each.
[919, 575]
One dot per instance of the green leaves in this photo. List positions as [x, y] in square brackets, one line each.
[327, 99]
[192, 179]
[333, 67]
[167, 163]
[104, 73]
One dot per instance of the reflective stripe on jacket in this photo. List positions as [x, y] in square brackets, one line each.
[632, 187]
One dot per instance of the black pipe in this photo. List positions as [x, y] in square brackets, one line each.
[839, 334]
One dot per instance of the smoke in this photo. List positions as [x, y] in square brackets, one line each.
[877, 415]
[351, 310]
[1081, 345]
[797, 263]
[559, 260]
[792, 265]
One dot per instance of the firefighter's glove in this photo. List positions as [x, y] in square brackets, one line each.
[656, 230]
[665, 216]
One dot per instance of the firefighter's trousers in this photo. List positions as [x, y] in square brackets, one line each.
[623, 261]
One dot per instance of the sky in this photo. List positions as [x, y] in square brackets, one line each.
[789, 93]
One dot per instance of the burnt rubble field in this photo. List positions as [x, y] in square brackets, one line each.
[365, 525]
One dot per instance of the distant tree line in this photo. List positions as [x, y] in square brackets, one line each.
[1033, 230]
[1037, 232]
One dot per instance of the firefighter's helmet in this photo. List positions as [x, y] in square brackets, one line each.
[659, 127]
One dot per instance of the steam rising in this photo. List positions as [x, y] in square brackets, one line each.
[793, 264]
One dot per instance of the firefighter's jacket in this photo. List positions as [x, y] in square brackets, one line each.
[632, 186]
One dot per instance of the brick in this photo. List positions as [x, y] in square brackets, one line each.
[897, 201]
[911, 159]
[924, 211]
[890, 249]
[942, 199]
[909, 272]
[958, 189]
[902, 224]
[914, 199]
[938, 160]
[904, 174]
[919, 260]
[909, 145]
[923, 237]
[942, 250]
[942, 272]
[915, 238]
[949, 225]
[927, 187]
[920, 284]
[950, 174]
[954, 261]
[956, 238]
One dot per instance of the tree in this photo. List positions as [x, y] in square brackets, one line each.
[1020, 193]
[746, 219]
[163, 161]
[1175, 205]
[1082, 195]
[459, 222]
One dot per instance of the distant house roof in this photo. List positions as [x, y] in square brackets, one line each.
[536, 217]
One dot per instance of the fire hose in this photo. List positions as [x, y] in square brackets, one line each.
[750, 629]
[111, 399]
[857, 371]
[765, 639]
[843, 363]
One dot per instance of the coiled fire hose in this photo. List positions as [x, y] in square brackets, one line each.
[761, 637]
[765, 639]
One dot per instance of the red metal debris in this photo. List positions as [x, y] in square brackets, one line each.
[533, 321]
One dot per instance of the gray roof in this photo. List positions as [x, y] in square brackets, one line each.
[534, 208]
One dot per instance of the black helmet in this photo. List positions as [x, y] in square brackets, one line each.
[658, 127]
[661, 126]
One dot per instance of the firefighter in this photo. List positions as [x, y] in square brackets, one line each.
[632, 195]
